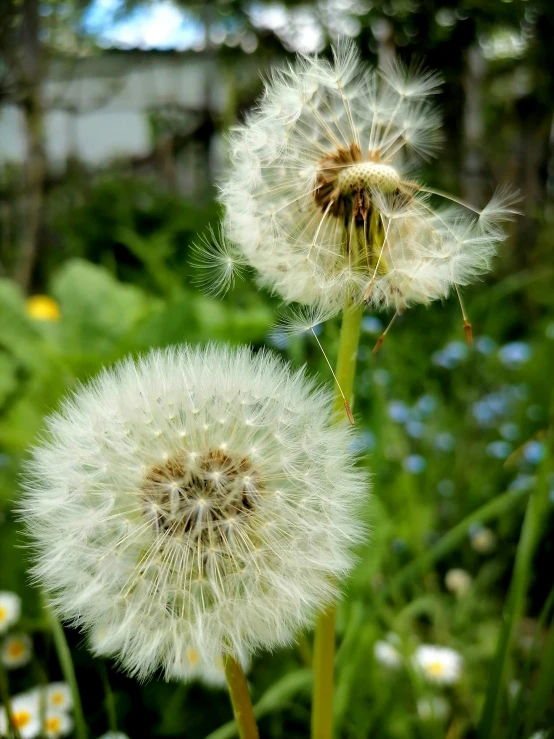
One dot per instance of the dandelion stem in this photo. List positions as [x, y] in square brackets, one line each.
[324, 644]
[240, 698]
[68, 670]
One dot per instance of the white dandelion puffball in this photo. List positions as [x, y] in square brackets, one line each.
[439, 665]
[25, 715]
[196, 499]
[320, 199]
[10, 610]
[16, 651]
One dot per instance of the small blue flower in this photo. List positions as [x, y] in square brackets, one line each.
[534, 452]
[381, 377]
[372, 325]
[446, 488]
[398, 411]
[522, 482]
[451, 355]
[415, 464]
[426, 404]
[398, 545]
[509, 431]
[499, 449]
[484, 344]
[415, 429]
[363, 442]
[483, 413]
[515, 353]
[445, 441]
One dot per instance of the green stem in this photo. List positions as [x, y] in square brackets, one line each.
[530, 531]
[240, 698]
[109, 699]
[324, 643]
[68, 670]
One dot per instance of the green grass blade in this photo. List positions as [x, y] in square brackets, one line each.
[447, 543]
[68, 670]
[514, 607]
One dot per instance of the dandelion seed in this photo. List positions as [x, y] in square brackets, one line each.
[223, 540]
[219, 263]
[439, 665]
[318, 202]
[16, 651]
[10, 610]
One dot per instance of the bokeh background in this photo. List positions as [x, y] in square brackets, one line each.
[112, 124]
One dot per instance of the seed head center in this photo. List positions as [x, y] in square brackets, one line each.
[200, 495]
[367, 176]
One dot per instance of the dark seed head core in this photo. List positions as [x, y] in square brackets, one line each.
[202, 495]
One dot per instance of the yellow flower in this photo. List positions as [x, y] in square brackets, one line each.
[42, 308]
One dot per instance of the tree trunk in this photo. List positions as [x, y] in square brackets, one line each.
[30, 78]
[473, 166]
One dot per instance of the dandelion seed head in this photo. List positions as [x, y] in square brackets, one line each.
[317, 199]
[224, 539]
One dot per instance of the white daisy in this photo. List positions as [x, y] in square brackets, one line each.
[58, 697]
[439, 665]
[57, 723]
[25, 716]
[386, 654]
[10, 610]
[16, 651]
[319, 200]
[197, 498]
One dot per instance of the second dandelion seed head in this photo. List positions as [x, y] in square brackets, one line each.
[196, 502]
